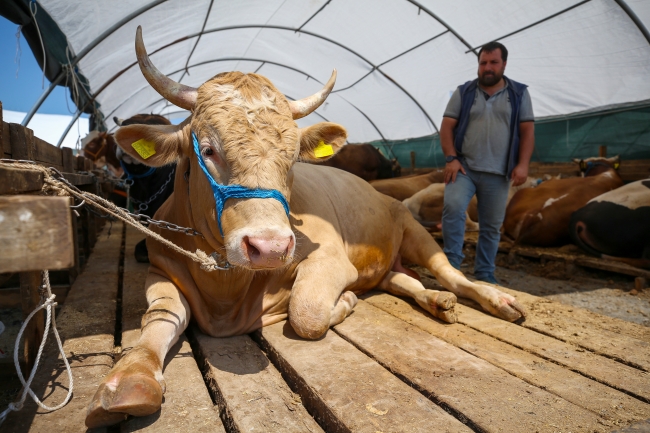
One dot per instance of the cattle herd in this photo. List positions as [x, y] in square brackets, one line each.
[301, 241]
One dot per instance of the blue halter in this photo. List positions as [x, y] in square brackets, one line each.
[224, 192]
[130, 175]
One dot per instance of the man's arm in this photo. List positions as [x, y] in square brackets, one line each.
[447, 143]
[526, 146]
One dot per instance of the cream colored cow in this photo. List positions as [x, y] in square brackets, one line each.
[341, 237]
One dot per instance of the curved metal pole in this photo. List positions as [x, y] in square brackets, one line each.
[634, 18]
[533, 24]
[82, 54]
[114, 77]
[437, 18]
[67, 129]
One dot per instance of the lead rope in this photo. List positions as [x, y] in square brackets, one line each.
[47, 302]
[61, 186]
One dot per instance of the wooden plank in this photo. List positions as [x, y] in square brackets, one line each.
[187, 405]
[17, 181]
[347, 391]
[79, 179]
[616, 408]
[248, 389]
[10, 298]
[22, 142]
[608, 265]
[607, 371]
[36, 233]
[469, 386]
[86, 324]
[547, 317]
[48, 155]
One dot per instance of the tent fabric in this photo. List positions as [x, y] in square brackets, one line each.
[398, 61]
[624, 132]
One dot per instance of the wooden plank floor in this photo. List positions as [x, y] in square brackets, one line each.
[388, 367]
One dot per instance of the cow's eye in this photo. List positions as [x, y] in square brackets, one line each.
[207, 151]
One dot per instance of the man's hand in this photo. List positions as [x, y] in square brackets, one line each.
[451, 171]
[519, 174]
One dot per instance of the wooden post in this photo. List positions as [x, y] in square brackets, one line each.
[640, 284]
[29, 298]
[2, 151]
[68, 160]
[22, 142]
[602, 151]
[412, 162]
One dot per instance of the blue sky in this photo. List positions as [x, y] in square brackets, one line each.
[20, 93]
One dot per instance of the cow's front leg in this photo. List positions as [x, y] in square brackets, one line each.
[135, 385]
[317, 298]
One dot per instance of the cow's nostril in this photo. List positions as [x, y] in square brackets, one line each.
[251, 250]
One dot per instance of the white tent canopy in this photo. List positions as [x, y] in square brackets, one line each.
[398, 60]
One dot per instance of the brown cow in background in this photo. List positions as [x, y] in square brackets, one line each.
[404, 187]
[365, 161]
[541, 216]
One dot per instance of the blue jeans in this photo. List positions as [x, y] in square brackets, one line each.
[492, 194]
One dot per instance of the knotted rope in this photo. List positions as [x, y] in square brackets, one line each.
[61, 187]
[47, 302]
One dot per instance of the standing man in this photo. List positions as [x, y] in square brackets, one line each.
[487, 136]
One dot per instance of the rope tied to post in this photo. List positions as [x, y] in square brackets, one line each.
[47, 303]
[56, 184]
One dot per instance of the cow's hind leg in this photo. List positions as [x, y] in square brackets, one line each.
[419, 247]
[318, 300]
[135, 385]
[439, 304]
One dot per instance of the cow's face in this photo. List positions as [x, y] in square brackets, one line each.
[246, 136]
[597, 165]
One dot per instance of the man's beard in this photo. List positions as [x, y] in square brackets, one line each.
[489, 79]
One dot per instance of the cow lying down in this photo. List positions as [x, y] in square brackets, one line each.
[303, 242]
[616, 224]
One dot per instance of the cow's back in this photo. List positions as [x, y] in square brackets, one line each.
[540, 216]
[402, 188]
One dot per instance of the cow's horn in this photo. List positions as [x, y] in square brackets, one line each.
[176, 93]
[304, 106]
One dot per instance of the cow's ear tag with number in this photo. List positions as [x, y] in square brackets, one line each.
[323, 150]
[146, 149]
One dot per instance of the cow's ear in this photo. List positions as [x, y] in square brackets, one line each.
[153, 145]
[321, 141]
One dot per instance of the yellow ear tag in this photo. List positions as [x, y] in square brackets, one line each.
[146, 149]
[323, 150]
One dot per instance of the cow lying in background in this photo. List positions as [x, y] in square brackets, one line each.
[404, 187]
[426, 206]
[149, 188]
[365, 161]
[240, 185]
[541, 216]
[616, 224]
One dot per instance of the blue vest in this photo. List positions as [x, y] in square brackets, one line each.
[467, 95]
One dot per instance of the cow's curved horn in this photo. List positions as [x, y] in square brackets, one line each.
[304, 106]
[176, 93]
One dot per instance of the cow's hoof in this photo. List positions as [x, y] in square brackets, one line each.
[131, 388]
[504, 306]
[439, 304]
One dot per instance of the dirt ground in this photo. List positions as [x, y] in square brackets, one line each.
[599, 291]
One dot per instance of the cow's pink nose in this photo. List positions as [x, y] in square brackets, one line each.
[268, 252]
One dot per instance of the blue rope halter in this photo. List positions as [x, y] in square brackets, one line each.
[130, 175]
[224, 192]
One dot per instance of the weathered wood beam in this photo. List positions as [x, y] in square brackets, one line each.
[35, 233]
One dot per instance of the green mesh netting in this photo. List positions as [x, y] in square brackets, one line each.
[624, 132]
